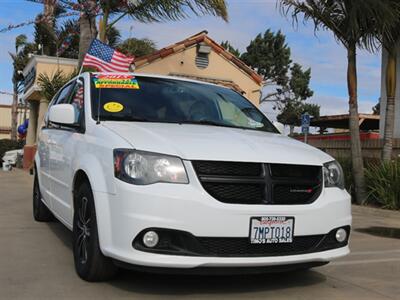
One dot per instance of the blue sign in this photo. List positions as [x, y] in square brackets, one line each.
[305, 129]
[305, 120]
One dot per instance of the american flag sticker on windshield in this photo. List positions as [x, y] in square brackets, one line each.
[116, 82]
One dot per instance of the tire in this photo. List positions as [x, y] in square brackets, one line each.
[40, 211]
[90, 263]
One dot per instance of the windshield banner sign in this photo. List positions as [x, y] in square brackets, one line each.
[115, 82]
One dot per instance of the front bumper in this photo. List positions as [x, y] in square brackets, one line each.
[188, 207]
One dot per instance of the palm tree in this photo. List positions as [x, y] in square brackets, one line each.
[88, 29]
[390, 41]
[20, 42]
[51, 84]
[354, 24]
[142, 11]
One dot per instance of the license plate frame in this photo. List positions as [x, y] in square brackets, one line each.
[275, 234]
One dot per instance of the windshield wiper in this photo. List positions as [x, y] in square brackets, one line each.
[125, 118]
[207, 122]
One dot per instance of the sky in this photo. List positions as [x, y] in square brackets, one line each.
[247, 18]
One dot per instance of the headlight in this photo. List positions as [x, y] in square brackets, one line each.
[141, 168]
[333, 175]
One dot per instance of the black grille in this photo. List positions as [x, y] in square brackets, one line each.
[242, 246]
[227, 168]
[294, 171]
[235, 193]
[257, 183]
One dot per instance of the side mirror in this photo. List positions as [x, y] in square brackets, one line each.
[62, 114]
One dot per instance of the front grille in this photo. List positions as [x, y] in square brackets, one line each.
[257, 183]
[242, 246]
[227, 168]
[235, 193]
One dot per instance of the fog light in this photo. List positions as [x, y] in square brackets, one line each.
[341, 235]
[150, 239]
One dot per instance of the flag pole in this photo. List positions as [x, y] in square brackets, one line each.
[80, 70]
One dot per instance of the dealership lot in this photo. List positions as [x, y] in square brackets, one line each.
[36, 263]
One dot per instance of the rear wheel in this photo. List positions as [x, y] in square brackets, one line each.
[90, 263]
[40, 211]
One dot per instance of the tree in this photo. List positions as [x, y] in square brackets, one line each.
[292, 111]
[293, 98]
[87, 26]
[227, 46]
[376, 110]
[270, 56]
[286, 83]
[45, 36]
[137, 47]
[299, 83]
[297, 91]
[20, 59]
[68, 30]
[50, 85]
[390, 40]
[353, 23]
[142, 11]
[113, 36]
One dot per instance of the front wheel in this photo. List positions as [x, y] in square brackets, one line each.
[40, 211]
[90, 263]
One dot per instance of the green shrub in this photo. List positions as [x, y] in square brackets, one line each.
[383, 183]
[7, 145]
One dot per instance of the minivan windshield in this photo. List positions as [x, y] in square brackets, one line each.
[151, 99]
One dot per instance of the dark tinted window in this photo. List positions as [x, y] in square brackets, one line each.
[176, 101]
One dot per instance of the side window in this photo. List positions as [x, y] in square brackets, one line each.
[63, 95]
[59, 98]
[77, 100]
[71, 94]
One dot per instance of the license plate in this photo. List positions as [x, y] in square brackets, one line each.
[271, 230]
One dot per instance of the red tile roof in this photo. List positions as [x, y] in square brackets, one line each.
[200, 37]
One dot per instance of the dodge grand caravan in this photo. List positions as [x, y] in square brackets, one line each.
[168, 174]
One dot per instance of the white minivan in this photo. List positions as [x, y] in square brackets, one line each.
[168, 174]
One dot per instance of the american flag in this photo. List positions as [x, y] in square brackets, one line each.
[106, 59]
[78, 98]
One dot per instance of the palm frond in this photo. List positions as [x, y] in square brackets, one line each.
[351, 21]
[161, 10]
[20, 41]
[389, 36]
[113, 36]
[51, 84]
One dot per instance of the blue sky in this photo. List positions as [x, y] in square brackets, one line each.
[326, 58]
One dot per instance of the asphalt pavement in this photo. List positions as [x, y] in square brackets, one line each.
[36, 263]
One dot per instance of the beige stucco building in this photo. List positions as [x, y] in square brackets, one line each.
[39, 64]
[5, 119]
[201, 58]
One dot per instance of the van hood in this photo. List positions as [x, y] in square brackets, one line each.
[204, 142]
